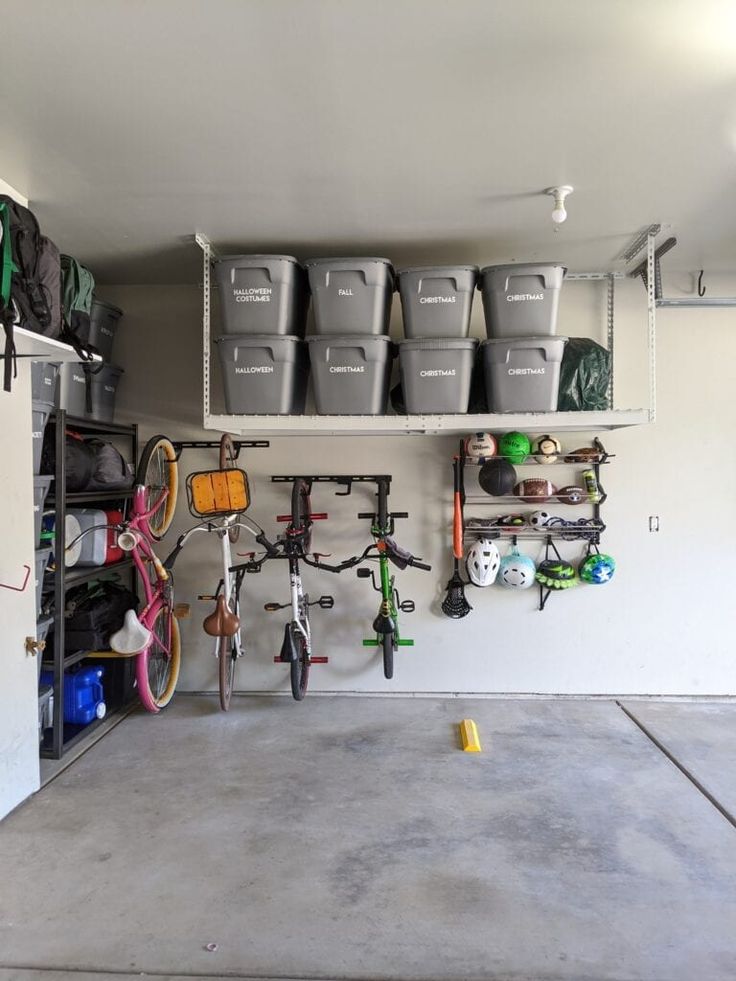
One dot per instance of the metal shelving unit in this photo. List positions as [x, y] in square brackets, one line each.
[119, 687]
[399, 425]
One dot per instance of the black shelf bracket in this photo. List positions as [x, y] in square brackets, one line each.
[344, 480]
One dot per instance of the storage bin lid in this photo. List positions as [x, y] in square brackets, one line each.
[498, 347]
[258, 340]
[439, 344]
[349, 340]
[553, 271]
[42, 480]
[437, 270]
[254, 260]
[105, 371]
[110, 307]
[342, 261]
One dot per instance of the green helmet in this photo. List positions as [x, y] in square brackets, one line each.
[514, 446]
[556, 574]
[597, 568]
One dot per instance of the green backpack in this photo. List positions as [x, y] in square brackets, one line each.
[78, 285]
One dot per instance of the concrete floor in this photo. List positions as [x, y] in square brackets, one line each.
[350, 838]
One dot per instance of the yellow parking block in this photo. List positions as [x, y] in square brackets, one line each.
[469, 736]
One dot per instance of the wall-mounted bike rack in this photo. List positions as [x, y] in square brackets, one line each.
[345, 480]
[211, 444]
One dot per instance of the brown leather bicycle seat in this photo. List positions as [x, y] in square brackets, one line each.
[222, 622]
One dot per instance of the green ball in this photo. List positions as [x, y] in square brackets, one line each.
[515, 447]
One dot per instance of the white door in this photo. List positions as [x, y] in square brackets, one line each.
[19, 769]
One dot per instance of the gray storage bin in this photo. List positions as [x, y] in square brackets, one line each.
[103, 384]
[351, 296]
[264, 374]
[40, 490]
[103, 322]
[262, 294]
[350, 374]
[40, 412]
[521, 300]
[45, 709]
[41, 557]
[71, 389]
[523, 374]
[436, 374]
[42, 631]
[436, 301]
[43, 380]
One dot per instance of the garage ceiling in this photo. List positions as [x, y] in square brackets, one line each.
[417, 129]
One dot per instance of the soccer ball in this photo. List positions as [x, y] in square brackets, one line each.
[539, 519]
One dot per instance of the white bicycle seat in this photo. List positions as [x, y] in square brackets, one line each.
[132, 637]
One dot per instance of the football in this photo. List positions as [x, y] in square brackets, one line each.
[480, 447]
[585, 454]
[571, 495]
[535, 489]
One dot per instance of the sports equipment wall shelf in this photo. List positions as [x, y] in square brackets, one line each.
[39, 348]
[395, 425]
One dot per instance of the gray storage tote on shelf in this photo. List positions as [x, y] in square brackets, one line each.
[104, 321]
[521, 300]
[436, 301]
[262, 294]
[351, 295]
[40, 490]
[43, 380]
[42, 631]
[41, 560]
[350, 374]
[264, 374]
[522, 374]
[436, 374]
[103, 387]
[71, 389]
[40, 412]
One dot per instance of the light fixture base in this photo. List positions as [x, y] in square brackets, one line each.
[559, 193]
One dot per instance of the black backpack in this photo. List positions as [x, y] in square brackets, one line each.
[24, 300]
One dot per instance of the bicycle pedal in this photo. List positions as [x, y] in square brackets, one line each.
[407, 606]
[405, 643]
[273, 607]
[207, 596]
[370, 643]
[182, 611]
[319, 660]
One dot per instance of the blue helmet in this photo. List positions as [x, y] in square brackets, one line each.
[516, 570]
[597, 568]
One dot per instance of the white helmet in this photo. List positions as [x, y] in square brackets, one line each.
[482, 562]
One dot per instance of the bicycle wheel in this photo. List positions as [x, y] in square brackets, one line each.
[301, 511]
[227, 657]
[388, 656]
[157, 671]
[227, 462]
[300, 664]
[159, 471]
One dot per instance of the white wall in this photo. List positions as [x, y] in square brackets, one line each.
[19, 768]
[664, 625]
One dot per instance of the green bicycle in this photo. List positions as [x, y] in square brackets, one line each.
[386, 624]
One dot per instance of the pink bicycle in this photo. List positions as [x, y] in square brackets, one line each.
[152, 635]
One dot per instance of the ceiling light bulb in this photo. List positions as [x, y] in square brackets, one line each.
[559, 214]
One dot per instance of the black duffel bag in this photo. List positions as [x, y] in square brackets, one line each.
[91, 464]
[93, 612]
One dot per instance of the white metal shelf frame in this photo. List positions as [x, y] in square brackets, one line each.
[317, 425]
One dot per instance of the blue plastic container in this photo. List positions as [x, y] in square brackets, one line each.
[84, 699]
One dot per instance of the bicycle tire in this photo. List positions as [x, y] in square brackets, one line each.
[156, 672]
[226, 658]
[227, 462]
[301, 512]
[388, 656]
[158, 469]
[300, 665]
